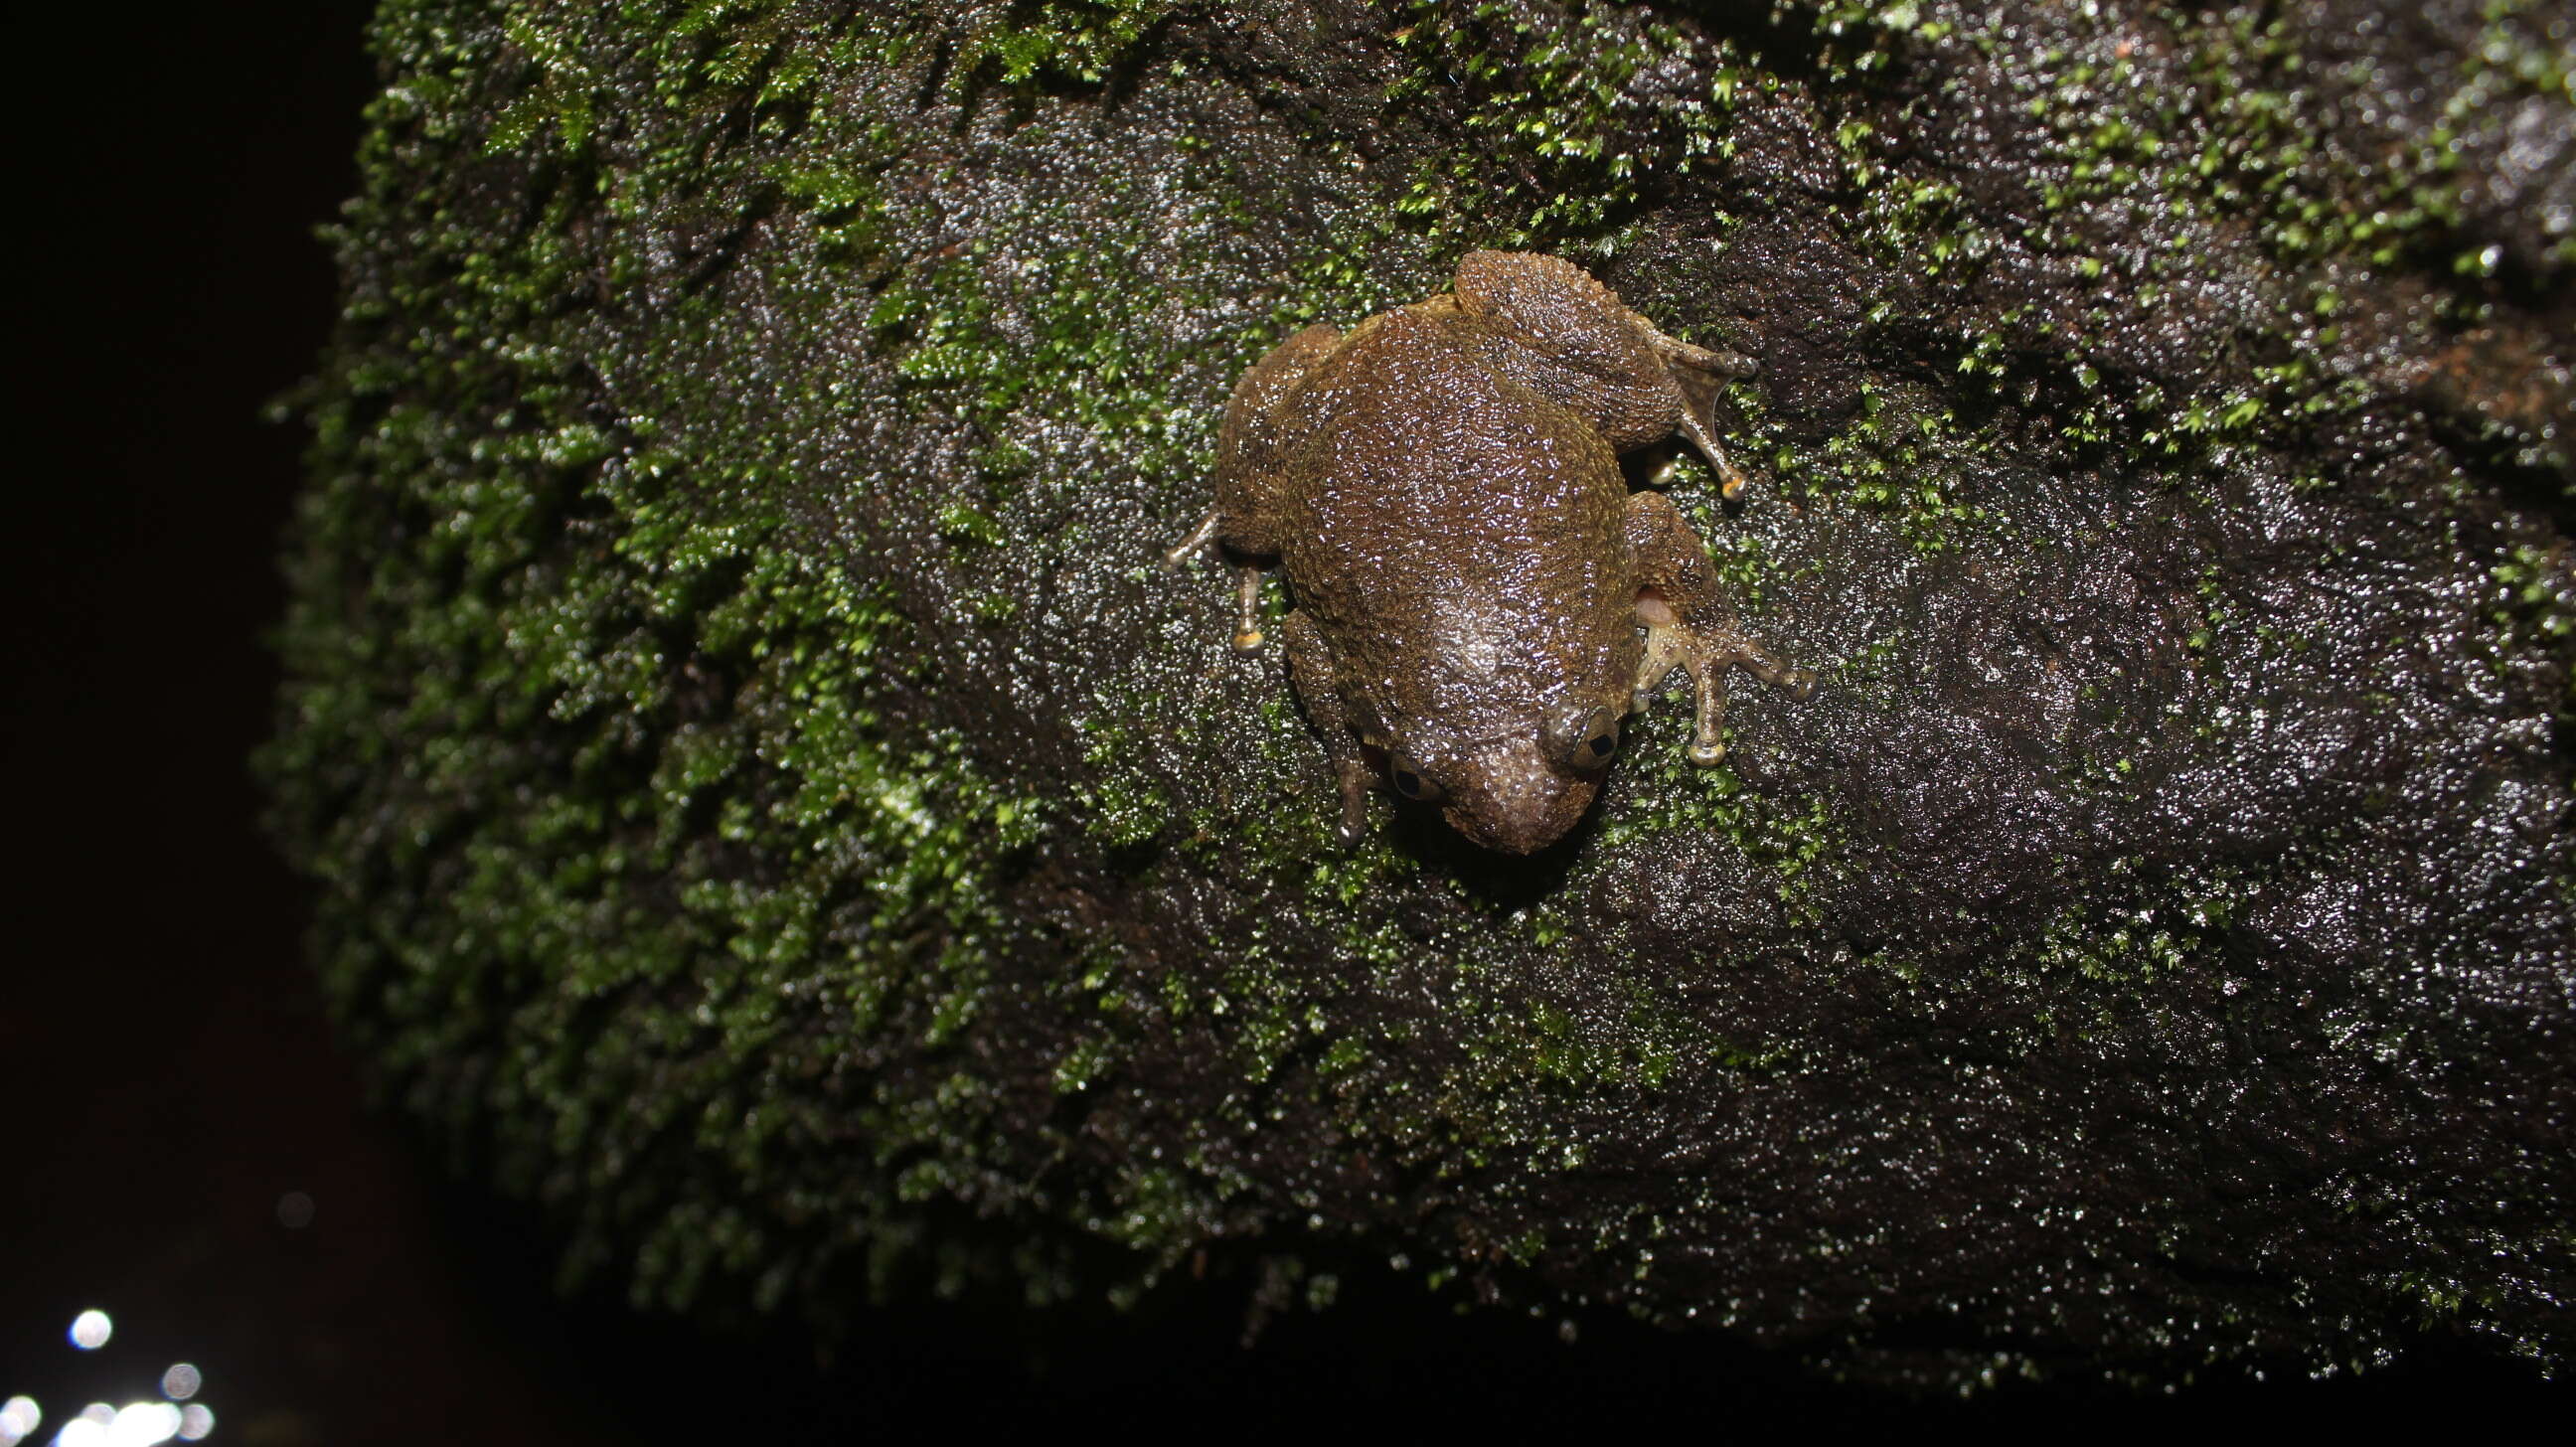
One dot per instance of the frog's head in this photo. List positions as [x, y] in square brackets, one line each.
[1516, 791]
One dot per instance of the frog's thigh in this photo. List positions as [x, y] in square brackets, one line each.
[1251, 462]
[1690, 622]
[1590, 352]
[1575, 343]
[1548, 297]
[1549, 302]
[1310, 672]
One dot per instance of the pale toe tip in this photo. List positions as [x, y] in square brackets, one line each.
[1250, 641]
[1801, 683]
[1707, 754]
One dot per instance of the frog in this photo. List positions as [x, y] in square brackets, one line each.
[1479, 599]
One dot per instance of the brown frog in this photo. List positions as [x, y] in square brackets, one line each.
[1479, 598]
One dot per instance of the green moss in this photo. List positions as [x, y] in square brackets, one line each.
[1787, 843]
[1122, 810]
[654, 795]
[2149, 184]
[1561, 142]
[1080, 40]
[2539, 596]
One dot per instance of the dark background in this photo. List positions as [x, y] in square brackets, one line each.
[166, 1074]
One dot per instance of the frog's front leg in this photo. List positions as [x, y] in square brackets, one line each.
[1690, 623]
[1310, 672]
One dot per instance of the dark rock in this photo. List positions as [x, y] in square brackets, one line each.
[771, 807]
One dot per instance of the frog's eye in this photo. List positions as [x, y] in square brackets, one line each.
[1586, 740]
[1410, 781]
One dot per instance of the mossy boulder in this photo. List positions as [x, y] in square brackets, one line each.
[770, 805]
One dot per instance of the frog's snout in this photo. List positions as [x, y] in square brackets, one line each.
[1516, 801]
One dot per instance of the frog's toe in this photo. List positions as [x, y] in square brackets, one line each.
[1730, 478]
[1353, 780]
[1181, 553]
[1705, 754]
[1680, 354]
[1801, 683]
[1247, 610]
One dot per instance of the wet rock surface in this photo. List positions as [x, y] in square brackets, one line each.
[772, 808]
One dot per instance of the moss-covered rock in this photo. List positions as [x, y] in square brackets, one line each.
[770, 806]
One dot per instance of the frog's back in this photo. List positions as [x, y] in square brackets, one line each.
[1450, 529]
[1418, 466]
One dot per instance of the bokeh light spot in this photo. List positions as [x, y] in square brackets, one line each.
[195, 1421]
[143, 1424]
[181, 1381]
[295, 1210]
[91, 1329]
[18, 1417]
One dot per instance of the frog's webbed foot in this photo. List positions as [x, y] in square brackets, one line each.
[1700, 374]
[1707, 651]
[1690, 625]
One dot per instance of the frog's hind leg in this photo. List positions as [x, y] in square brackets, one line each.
[1698, 374]
[1252, 455]
[1310, 673]
[1576, 342]
[1250, 473]
[1691, 625]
